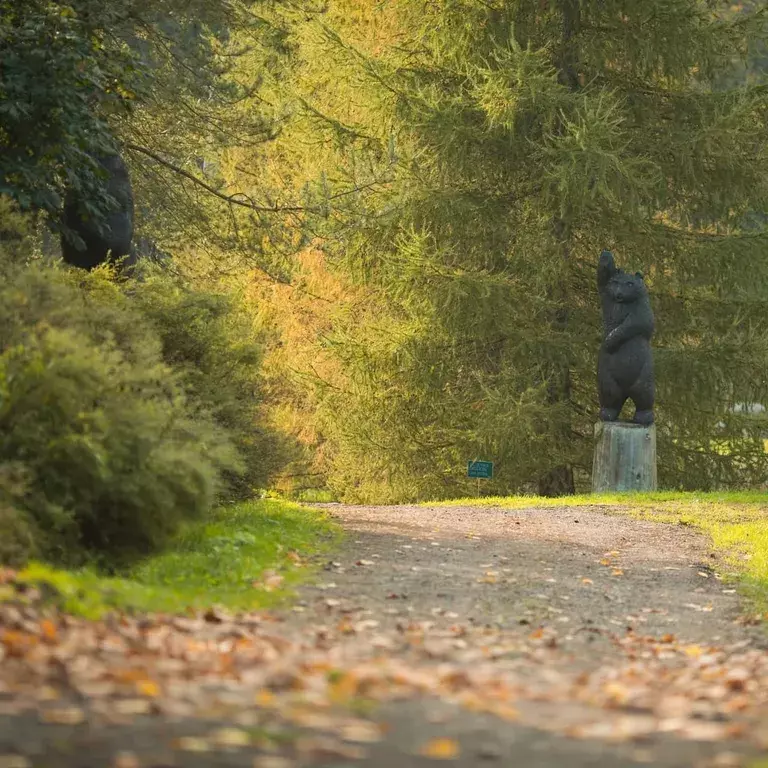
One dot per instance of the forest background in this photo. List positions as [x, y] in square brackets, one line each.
[383, 221]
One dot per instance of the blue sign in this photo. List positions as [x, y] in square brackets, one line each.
[480, 469]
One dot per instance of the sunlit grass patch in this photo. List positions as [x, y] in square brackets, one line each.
[242, 557]
[653, 499]
[736, 521]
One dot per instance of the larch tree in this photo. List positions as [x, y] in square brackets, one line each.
[505, 144]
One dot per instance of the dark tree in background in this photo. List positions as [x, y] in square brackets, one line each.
[169, 84]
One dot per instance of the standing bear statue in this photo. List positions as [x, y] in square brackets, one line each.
[625, 364]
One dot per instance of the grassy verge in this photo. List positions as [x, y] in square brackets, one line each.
[241, 557]
[736, 522]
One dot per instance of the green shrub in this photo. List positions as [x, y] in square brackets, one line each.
[18, 536]
[217, 348]
[112, 455]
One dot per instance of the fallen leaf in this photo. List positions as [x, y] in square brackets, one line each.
[265, 699]
[587, 581]
[231, 737]
[47, 693]
[727, 760]
[617, 572]
[14, 761]
[737, 679]
[270, 580]
[192, 744]
[148, 688]
[273, 761]
[48, 630]
[63, 716]
[362, 732]
[132, 706]
[18, 644]
[440, 749]
[506, 712]
[126, 760]
[215, 615]
[617, 693]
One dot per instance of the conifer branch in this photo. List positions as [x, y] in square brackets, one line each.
[233, 199]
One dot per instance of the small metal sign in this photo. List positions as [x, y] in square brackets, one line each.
[480, 469]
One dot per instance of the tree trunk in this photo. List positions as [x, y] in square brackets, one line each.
[559, 481]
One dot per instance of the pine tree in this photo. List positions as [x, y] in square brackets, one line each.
[507, 143]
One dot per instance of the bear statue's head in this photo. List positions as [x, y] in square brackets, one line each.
[624, 288]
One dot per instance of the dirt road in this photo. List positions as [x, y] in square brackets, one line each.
[472, 636]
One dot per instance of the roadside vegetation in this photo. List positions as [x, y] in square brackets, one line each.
[131, 440]
[241, 557]
[736, 522]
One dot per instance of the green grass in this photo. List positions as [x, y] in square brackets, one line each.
[213, 562]
[642, 500]
[737, 522]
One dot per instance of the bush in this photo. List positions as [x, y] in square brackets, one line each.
[216, 347]
[18, 537]
[110, 453]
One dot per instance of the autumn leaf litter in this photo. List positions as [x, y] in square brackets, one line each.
[312, 668]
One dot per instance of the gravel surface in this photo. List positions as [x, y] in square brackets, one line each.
[541, 556]
[482, 636]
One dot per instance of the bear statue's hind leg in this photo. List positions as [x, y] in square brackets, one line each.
[643, 395]
[645, 418]
[612, 398]
[610, 414]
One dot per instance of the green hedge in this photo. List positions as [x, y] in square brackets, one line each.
[216, 346]
[101, 454]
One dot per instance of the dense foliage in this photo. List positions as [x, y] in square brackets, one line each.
[107, 458]
[124, 410]
[506, 144]
[216, 346]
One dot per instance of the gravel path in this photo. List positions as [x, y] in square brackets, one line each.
[572, 584]
[474, 636]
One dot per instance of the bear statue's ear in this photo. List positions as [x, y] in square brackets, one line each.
[639, 274]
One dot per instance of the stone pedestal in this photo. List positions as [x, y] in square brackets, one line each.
[625, 457]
